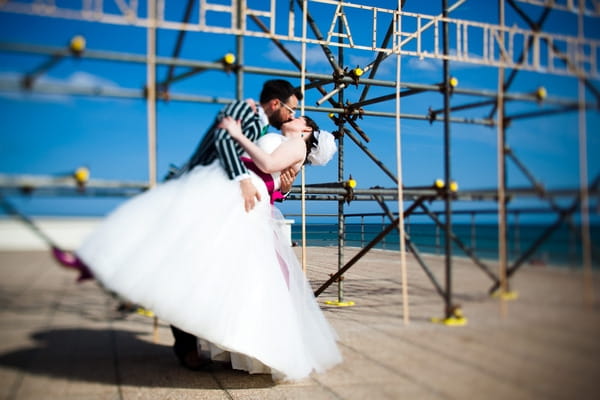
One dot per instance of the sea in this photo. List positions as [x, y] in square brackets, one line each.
[535, 244]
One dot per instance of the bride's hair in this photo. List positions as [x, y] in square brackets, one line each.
[312, 140]
[320, 146]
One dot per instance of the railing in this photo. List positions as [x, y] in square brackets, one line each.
[562, 248]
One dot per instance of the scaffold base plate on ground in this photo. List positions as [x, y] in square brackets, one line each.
[450, 321]
[144, 312]
[339, 303]
[508, 295]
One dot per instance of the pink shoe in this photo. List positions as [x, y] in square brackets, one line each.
[70, 260]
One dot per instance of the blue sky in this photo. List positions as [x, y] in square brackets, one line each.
[54, 134]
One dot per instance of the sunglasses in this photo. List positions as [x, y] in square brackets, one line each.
[290, 109]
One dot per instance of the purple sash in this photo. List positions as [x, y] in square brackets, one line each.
[276, 195]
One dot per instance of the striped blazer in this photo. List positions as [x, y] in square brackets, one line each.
[217, 143]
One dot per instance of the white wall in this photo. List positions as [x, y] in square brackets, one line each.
[67, 233]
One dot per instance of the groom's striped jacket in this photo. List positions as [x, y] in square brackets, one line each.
[217, 143]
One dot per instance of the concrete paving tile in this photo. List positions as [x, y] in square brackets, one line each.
[391, 391]
[315, 392]
[251, 394]
[232, 380]
[77, 388]
[41, 387]
[154, 393]
[10, 380]
[153, 373]
[357, 368]
[13, 338]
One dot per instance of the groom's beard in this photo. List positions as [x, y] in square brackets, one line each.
[278, 123]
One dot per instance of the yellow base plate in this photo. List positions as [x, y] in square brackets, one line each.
[509, 295]
[451, 321]
[144, 312]
[339, 303]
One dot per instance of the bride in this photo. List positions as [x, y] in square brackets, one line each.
[188, 251]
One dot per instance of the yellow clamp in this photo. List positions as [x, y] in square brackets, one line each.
[333, 117]
[541, 93]
[355, 74]
[439, 184]
[349, 185]
[81, 175]
[77, 44]
[229, 59]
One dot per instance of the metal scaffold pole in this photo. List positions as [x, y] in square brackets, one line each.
[501, 155]
[303, 175]
[341, 219]
[449, 312]
[402, 236]
[151, 91]
[586, 248]
[151, 109]
[239, 45]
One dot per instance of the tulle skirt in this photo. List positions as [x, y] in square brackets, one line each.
[188, 251]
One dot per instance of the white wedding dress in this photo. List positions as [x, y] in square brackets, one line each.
[188, 251]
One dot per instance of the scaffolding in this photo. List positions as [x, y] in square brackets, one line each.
[514, 42]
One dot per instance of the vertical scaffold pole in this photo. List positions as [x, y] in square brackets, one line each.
[151, 91]
[341, 219]
[404, 274]
[586, 247]
[447, 172]
[239, 44]
[151, 108]
[302, 83]
[501, 144]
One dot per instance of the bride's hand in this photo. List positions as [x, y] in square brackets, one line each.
[233, 127]
[252, 104]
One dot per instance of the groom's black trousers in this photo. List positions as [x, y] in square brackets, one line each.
[184, 342]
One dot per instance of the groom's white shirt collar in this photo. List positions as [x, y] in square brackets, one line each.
[264, 120]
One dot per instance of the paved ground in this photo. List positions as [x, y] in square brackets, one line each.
[61, 340]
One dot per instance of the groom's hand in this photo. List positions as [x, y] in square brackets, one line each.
[249, 193]
[286, 179]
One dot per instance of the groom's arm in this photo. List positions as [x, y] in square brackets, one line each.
[228, 149]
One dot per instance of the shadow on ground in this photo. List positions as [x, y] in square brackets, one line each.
[119, 357]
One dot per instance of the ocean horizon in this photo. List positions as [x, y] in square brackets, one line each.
[561, 247]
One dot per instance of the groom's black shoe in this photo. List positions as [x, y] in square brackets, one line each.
[192, 361]
[186, 350]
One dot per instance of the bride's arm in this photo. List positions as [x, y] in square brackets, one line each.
[285, 155]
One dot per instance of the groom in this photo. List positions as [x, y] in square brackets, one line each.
[277, 104]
